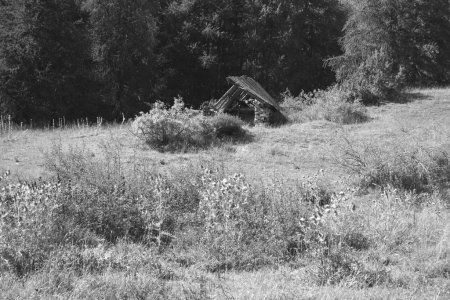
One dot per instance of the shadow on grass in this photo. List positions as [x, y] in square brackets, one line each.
[415, 96]
[398, 98]
[226, 140]
[245, 137]
[403, 98]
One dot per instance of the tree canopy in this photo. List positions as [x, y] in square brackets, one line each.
[95, 57]
[390, 43]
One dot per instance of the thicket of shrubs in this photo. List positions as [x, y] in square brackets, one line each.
[334, 105]
[179, 128]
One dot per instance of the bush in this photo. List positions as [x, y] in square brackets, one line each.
[331, 105]
[180, 129]
[227, 126]
[371, 81]
[174, 129]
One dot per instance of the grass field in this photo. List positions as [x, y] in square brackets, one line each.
[409, 252]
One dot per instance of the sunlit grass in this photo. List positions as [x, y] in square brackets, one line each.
[375, 241]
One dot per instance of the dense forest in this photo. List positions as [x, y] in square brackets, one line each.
[92, 58]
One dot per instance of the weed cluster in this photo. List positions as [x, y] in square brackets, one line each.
[400, 165]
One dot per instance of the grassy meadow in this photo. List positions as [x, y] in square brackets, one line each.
[307, 210]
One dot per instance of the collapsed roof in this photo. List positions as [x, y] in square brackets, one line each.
[243, 87]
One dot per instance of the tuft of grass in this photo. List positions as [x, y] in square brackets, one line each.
[400, 164]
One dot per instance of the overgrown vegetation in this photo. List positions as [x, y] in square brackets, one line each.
[382, 53]
[180, 129]
[154, 225]
[399, 165]
[228, 127]
[331, 105]
[101, 222]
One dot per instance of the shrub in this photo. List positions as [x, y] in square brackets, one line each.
[331, 105]
[372, 80]
[291, 103]
[227, 126]
[174, 129]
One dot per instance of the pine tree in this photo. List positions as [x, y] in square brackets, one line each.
[123, 36]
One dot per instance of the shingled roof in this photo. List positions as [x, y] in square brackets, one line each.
[244, 86]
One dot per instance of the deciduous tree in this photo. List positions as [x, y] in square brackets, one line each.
[389, 43]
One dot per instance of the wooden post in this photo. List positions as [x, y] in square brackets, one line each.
[9, 126]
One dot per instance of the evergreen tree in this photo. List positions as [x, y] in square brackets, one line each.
[390, 43]
[45, 59]
[279, 43]
[123, 36]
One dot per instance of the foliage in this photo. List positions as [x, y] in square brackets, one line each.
[225, 211]
[123, 38]
[391, 43]
[92, 203]
[109, 58]
[330, 105]
[180, 129]
[227, 126]
[38, 218]
[45, 59]
[279, 43]
[31, 224]
[176, 128]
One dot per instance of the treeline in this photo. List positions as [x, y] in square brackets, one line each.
[78, 58]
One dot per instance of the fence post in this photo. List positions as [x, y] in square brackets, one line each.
[9, 127]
